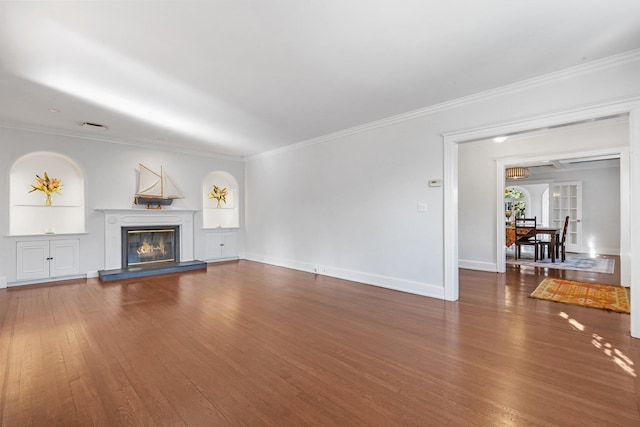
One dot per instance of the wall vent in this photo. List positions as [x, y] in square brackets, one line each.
[93, 125]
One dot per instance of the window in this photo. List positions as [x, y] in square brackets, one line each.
[516, 201]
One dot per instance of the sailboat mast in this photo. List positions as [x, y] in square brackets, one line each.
[161, 182]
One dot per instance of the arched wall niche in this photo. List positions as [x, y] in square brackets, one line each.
[228, 214]
[28, 212]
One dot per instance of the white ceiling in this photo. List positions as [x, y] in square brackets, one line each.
[242, 77]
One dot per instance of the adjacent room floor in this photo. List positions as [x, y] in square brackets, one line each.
[250, 344]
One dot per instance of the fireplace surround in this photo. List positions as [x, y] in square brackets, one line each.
[116, 219]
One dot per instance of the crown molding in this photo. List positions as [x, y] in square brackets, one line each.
[590, 67]
[550, 120]
[68, 134]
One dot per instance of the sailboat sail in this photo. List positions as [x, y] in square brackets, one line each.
[170, 189]
[154, 188]
[150, 183]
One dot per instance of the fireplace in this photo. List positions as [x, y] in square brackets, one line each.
[156, 244]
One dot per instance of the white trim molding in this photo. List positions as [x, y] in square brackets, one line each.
[477, 265]
[634, 206]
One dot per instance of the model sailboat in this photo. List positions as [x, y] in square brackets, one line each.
[155, 189]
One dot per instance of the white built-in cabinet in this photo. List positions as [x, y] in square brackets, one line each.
[221, 245]
[45, 259]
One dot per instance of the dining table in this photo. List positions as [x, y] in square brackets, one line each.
[549, 231]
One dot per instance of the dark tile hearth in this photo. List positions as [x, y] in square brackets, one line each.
[150, 270]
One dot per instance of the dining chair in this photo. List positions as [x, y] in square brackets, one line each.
[560, 244]
[526, 235]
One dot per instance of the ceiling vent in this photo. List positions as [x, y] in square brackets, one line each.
[92, 125]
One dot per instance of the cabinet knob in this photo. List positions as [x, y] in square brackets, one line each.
[49, 258]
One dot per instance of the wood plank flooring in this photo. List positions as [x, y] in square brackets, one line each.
[247, 344]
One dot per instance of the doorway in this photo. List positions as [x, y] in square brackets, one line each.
[566, 199]
[629, 162]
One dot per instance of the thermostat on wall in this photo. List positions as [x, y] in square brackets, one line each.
[435, 183]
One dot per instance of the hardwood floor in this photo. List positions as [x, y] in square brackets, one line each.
[250, 344]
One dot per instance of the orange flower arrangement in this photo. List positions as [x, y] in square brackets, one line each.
[48, 186]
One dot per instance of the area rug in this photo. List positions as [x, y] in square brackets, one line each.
[606, 297]
[594, 265]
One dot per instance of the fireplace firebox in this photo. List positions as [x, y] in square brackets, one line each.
[150, 245]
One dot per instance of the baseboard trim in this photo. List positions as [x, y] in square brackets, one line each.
[48, 280]
[216, 260]
[607, 251]
[394, 283]
[477, 265]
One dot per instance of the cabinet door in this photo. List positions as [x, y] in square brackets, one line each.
[221, 245]
[65, 257]
[33, 260]
[214, 246]
[229, 245]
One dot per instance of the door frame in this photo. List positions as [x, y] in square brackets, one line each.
[630, 106]
[625, 221]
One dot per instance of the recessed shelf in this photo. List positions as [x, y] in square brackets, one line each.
[46, 206]
[79, 233]
[220, 228]
[29, 215]
[227, 215]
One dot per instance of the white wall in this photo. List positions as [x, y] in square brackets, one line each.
[110, 182]
[350, 206]
[348, 201]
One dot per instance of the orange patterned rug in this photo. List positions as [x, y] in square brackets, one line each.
[606, 297]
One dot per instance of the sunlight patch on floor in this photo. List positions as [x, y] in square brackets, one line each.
[617, 356]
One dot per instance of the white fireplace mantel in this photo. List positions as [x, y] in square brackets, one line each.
[115, 219]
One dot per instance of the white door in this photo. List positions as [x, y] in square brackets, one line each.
[566, 200]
